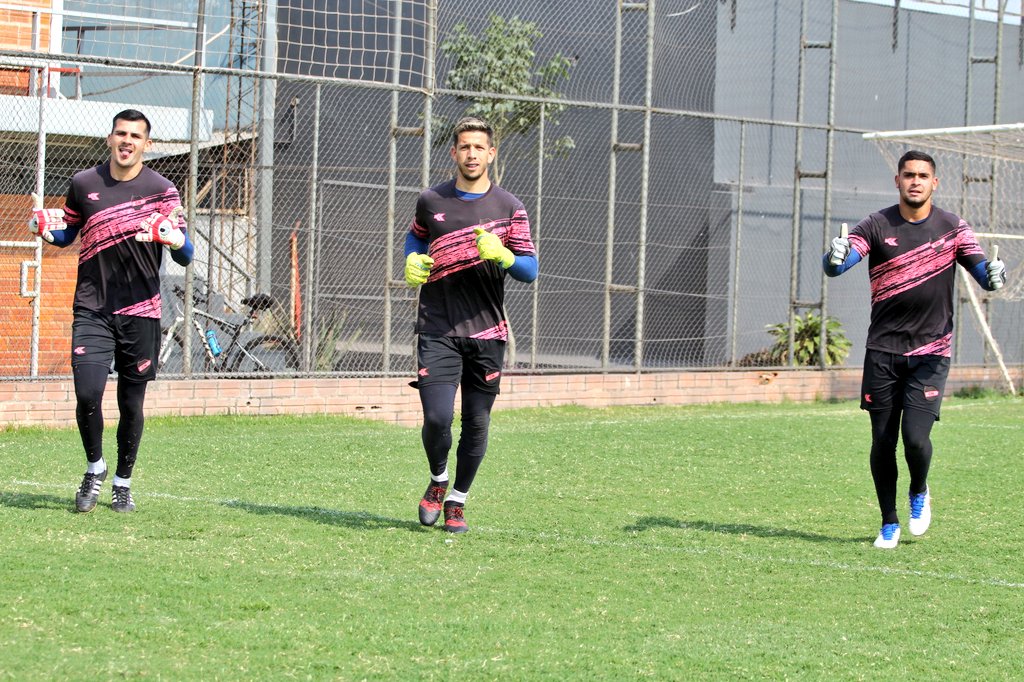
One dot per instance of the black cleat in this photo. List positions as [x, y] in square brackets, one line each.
[89, 492]
[430, 505]
[122, 500]
[454, 521]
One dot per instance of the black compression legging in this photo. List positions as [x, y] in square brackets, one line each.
[90, 382]
[438, 402]
[917, 448]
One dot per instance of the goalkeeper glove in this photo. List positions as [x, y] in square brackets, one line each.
[45, 220]
[417, 268]
[162, 229]
[996, 274]
[491, 248]
[840, 248]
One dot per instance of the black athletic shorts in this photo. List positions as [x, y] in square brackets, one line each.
[131, 343]
[914, 381]
[460, 361]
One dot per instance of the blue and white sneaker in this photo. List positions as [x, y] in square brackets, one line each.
[888, 537]
[920, 512]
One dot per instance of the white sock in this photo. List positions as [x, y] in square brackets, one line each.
[441, 477]
[97, 467]
[122, 482]
[456, 496]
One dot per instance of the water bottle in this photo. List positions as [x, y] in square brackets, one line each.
[211, 341]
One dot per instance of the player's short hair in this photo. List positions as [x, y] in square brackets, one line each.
[130, 115]
[472, 123]
[915, 155]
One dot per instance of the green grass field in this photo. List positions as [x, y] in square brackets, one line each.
[719, 542]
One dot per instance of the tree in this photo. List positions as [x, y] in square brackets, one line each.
[501, 61]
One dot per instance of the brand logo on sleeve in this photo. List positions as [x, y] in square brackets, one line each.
[93, 196]
[891, 241]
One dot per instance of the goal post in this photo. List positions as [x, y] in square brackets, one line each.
[982, 167]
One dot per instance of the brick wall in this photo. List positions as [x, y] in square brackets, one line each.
[16, 34]
[59, 271]
[52, 403]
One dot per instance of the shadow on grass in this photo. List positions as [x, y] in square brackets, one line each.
[36, 501]
[334, 517]
[651, 522]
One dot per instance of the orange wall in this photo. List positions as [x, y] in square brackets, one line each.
[16, 34]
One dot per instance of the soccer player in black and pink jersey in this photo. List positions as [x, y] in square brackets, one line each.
[125, 214]
[467, 236]
[913, 249]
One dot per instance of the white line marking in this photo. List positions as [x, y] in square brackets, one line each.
[598, 542]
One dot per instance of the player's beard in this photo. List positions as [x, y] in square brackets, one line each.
[471, 176]
[916, 202]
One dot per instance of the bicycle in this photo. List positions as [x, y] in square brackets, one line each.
[244, 352]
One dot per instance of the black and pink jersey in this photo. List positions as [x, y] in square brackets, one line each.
[465, 296]
[116, 274]
[912, 267]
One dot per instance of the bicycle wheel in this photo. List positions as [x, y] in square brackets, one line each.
[266, 354]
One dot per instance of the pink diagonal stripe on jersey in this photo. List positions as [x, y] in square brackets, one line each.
[148, 308]
[499, 333]
[457, 251]
[910, 269]
[941, 347]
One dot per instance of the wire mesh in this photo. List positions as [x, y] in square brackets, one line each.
[654, 145]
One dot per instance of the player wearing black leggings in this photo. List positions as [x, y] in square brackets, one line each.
[913, 249]
[467, 234]
[125, 213]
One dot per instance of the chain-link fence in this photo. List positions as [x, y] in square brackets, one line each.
[683, 163]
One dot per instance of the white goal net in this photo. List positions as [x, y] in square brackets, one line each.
[981, 177]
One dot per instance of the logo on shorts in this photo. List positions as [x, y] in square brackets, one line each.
[931, 393]
[867, 397]
[79, 350]
[424, 372]
[439, 217]
[93, 196]
[144, 365]
[891, 241]
[492, 376]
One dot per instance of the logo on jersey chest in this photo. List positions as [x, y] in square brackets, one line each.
[892, 241]
[938, 244]
[439, 217]
[93, 196]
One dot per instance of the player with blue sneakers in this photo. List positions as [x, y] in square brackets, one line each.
[913, 249]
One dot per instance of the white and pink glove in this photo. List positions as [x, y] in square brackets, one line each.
[162, 229]
[45, 220]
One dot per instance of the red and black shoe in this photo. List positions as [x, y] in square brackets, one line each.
[454, 521]
[430, 505]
